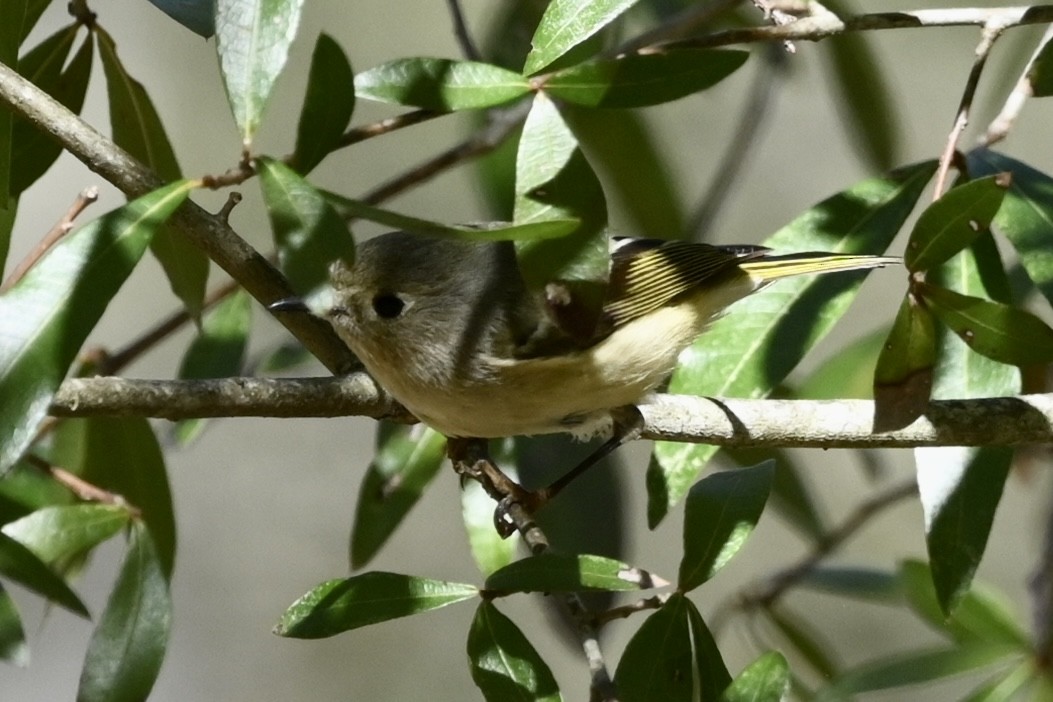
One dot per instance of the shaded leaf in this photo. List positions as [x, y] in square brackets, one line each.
[711, 675]
[557, 572]
[749, 351]
[798, 634]
[45, 318]
[327, 106]
[7, 224]
[283, 357]
[441, 84]
[195, 15]
[903, 376]
[639, 80]
[483, 231]
[406, 460]
[504, 664]
[952, 223]
[848, 373]
[19, 564]
[60, 532]
[13, 646]
[343, 604]
[489, 549]
[137, 128]
[1040, 74]
[567, 23]
[860, 583]
[252, 40]
[721, 511]
[128, 644]
[766, 679]
[308, 232]
[790, 494]
[14, 14]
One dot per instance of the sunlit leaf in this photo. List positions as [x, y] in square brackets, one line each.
[952, 223]
[490, 550]
[327, 106]
[903, 376]
[56, 533]
[252, 40]
[441, 84]
[766, 679]
[567, 23]
[847, 373]
[19, 564]
[552, 572]
[504, 664]
[340, 605]
[45, 318]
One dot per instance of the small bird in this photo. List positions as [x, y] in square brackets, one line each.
[451, 330]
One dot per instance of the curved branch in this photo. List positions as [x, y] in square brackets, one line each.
[1023, 419]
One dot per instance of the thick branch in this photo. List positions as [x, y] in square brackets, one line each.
[1024, 419]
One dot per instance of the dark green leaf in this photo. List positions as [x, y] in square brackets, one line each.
[557, 572]
[21, 565]
[13, 647]
[805, 642]
[60, 532]
[218, 351]
[1026, 215]
[784, 321]
[554, 181]
[34, 9]
[912, 668]
[1041, 73]
[791, 497]
[128, 645]
[122, 455]
[33, 151]
[1000, 332]
[25, 489]
[327, 106]
[721, 511]
[441, 84]
[253, 39]
[567, 23]
[308, 231]
[406, 460]
[903, 376]
[504, 664]
[711, 675]
[485, 231]
[639, 80]
[952, 223]
[14, 13]
[1019, 683]
[7, 224]
[340, 605]
[45, 318]
[137, 129]
[766, 679]
[864, 97]
[195, 15]
[860, 583]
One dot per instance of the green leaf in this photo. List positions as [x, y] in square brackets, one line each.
[959, 487]
[640, 80]
[557, 572]
[865, 584]
[799, 635]
[308, 231]
[14, 13]
[1026, 215]
[750, 350]
[33, 151]
[504, 664]
[343, 604]
[721, 511]
[21, 565]
[659, 662]
[567, 23]
[128, 644]
[1040, 74]
[1000, 332]
[218, 351]
[137, 128]
[903, 376]
[864, 97]
[484, 231]
[64, 531]
[766, 679]
[327, 106]
[283, 357]
[554, 181]
[952, 223]
[45, 318]
[7, 224]
[13, 646]
[441, 84]
[489, 549]
[34, 9]
[407, 459]
[847, 373]
[253, 39]
[912, 668]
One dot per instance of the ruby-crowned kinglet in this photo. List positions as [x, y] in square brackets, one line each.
[451, 330]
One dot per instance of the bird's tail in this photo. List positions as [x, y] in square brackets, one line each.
[767, 268]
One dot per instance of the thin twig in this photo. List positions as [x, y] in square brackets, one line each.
[624, 611]
[460, 30]
[387, 125]
[79, 486]
[601, 687]
[991, 33]
[681, 24]
[61, 229]
[1014, 104]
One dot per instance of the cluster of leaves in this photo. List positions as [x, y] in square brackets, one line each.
[557, 216]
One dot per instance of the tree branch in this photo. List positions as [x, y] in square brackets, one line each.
[1023, 419]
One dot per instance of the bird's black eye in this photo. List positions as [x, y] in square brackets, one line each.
[388, 305]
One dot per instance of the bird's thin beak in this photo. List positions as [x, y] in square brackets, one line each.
[288, 304]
